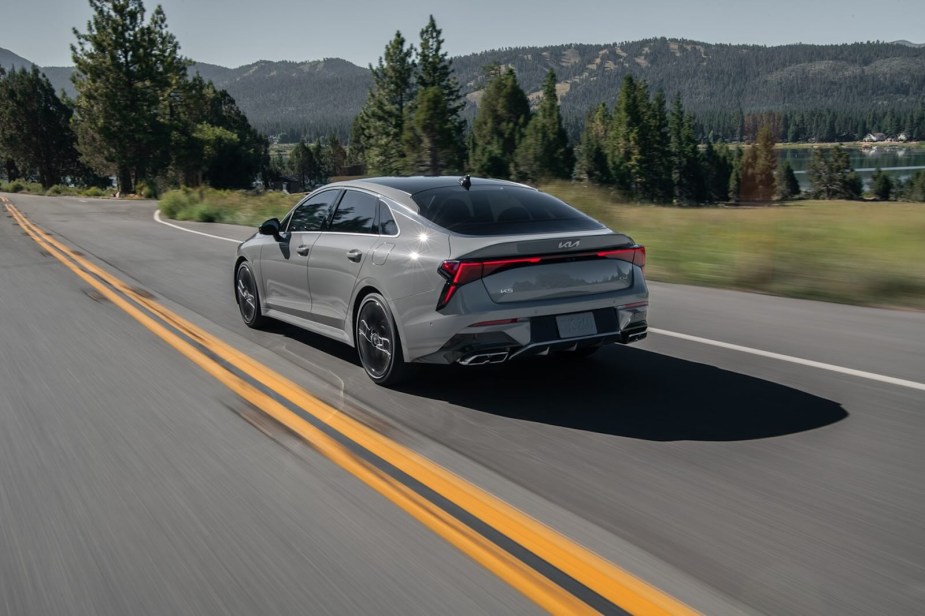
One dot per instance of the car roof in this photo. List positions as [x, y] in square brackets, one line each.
[399, 188]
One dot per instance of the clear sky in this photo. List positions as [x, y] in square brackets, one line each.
[237, 32]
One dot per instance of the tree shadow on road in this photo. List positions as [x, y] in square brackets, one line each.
[626, 391]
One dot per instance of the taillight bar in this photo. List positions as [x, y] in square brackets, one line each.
[459, 273]
[635, 255]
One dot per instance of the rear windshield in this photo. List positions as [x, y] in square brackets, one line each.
[500, 210]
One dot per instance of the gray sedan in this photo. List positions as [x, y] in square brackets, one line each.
[443, 270]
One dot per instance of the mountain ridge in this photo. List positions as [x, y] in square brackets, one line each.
[317, 97]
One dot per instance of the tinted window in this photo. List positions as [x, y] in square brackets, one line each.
[312, 214]
[356, 213]
[500, 210]
[387, 224]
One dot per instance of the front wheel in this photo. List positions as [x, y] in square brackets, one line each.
[245, 289]
[377, 342]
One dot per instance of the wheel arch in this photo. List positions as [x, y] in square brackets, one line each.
[362, 292]
[234, 276]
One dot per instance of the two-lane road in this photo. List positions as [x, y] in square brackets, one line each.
[776, 472]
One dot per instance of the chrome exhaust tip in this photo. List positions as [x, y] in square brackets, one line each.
[480, 359]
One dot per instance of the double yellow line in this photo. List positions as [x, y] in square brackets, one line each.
[584, 582]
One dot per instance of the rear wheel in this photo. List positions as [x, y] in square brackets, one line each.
[377, 342]
[245, 288]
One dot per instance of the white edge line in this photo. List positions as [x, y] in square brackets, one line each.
[723, 345]
[157, 218]
[793, 360]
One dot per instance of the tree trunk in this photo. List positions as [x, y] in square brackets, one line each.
[124, 177]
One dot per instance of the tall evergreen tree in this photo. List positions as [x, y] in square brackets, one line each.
[758, 166]
[35, 131]
[881, 185]
[717, 169]
[625, 139]
[212, 140]
[502, 116]
[591, 153]
[831, 175]
[434, 131]
[544, 151]
[127, 71]
[381, 123]
[788, 186]
[686, 167]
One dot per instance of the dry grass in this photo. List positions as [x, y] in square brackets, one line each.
[844, 251]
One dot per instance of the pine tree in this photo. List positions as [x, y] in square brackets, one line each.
[686, 166]
[211, 139]
[735, 177]
[434, 131]
[832, 177]
[502, 116]
[381, 123]
[881, 185]
[624, 144]
[591, 154]
[787, 184]
[35, 131]
[127, 71]
[717, 169]
[758, 166]
[544, 151]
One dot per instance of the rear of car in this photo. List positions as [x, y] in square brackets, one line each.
[526, 274]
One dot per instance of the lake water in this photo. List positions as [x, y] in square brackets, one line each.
[899, 161]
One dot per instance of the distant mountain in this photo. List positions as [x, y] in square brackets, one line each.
[909, 44]
[293, 99]
[9, 60]
[296, 99]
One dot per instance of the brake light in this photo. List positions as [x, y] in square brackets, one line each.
[635, 255]
[459, 273]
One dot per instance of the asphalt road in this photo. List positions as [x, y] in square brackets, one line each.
[733, 481]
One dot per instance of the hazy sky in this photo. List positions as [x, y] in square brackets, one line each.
[237, 32]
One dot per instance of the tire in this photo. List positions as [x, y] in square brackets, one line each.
[247, 296]
[377, 342]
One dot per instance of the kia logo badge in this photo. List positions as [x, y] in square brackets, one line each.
[569, 244]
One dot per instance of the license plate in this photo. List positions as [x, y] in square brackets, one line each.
[576, 325]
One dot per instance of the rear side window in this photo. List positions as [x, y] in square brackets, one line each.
[311, 214]
[356, 213]
[500, 210]
[387, 224]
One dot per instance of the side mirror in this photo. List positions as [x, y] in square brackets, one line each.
[270, 227]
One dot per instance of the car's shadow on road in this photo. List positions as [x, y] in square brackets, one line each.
[631, 392]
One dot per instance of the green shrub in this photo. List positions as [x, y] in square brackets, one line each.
[176, 201]
[206, 212]
[59, 189]
[93, 191]
[145, 190]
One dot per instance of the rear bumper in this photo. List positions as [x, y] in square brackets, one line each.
[475, 348]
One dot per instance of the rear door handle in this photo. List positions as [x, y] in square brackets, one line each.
[354, 255]
[302, 250]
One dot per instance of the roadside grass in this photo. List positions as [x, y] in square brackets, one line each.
[232, 207]
[852, 252]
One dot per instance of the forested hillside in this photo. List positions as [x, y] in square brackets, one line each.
[821, 92]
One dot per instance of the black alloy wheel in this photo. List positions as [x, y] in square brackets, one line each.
[377, 342]
[245, 288]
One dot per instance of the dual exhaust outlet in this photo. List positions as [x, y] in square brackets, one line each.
[480, 359]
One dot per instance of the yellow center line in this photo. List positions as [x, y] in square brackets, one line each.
[598, 574]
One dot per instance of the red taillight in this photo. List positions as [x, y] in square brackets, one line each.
[635, 255]
[458, 273]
